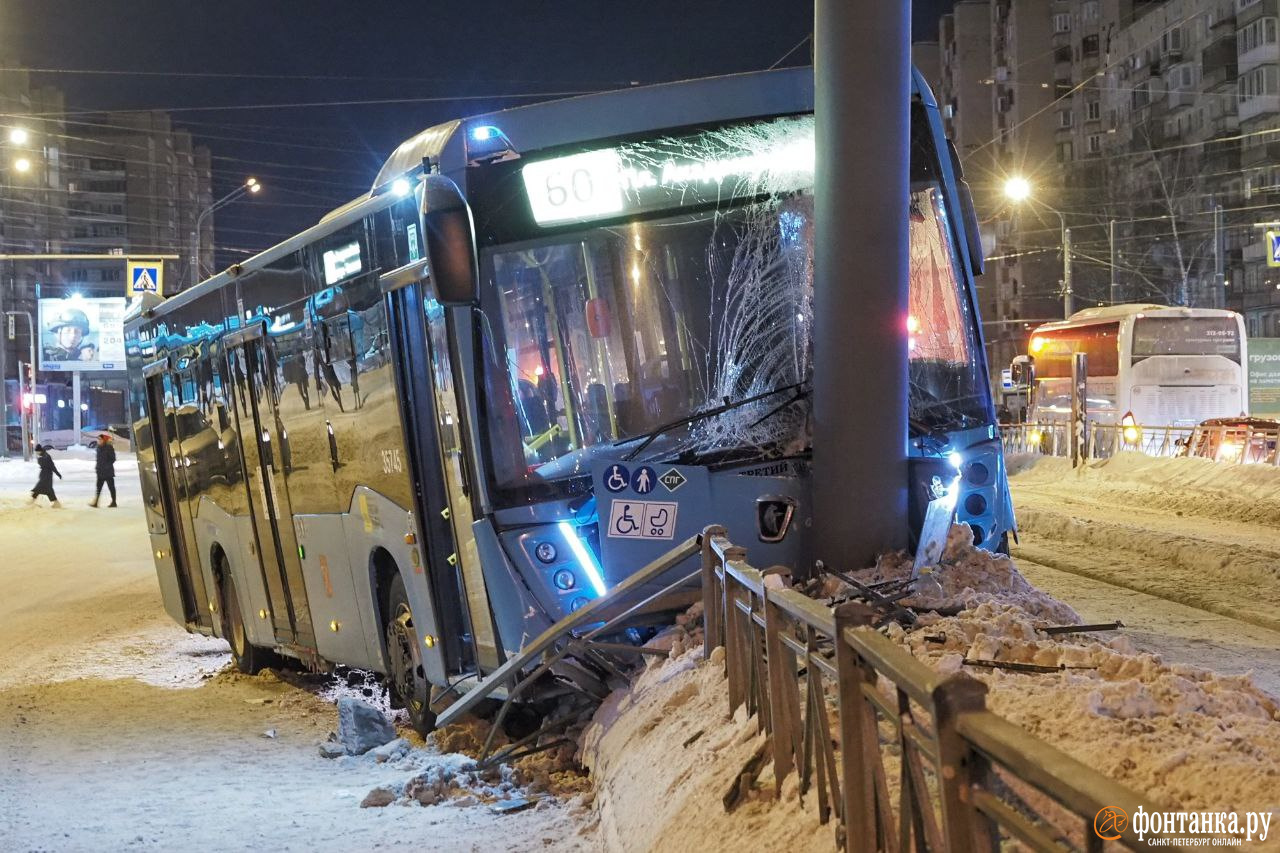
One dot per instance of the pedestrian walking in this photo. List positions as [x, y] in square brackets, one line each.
[44, 485]
[105, 463]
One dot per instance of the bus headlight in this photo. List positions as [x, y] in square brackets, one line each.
[1130, 430]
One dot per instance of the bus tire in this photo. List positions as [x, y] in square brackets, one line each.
[247, 657]
[406, 672]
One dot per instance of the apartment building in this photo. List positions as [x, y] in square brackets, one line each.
[1026, 267]
[71, 183]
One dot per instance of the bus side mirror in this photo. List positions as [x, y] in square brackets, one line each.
[451, 242]
[969, 213]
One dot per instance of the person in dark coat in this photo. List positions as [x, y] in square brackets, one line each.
[106, 468]
[44, 485]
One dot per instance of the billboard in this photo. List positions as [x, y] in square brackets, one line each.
[1264, 377]
[82, 334]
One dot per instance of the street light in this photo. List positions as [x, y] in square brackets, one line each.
[18, 135]
[1018, 189]
[22, 164]
[251, 185]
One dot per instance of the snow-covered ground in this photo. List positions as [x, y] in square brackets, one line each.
[1179, 706]
[1185, 552]
[120, 731]
[1182, 737]
[115, 734]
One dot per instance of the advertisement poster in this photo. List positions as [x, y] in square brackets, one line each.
[78, 333]
[1264, 377]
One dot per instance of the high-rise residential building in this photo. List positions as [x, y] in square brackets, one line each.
[72, 183]
[135, 184]
[926, 59]
[1026, 266]
[964, 41]
[1148, 132]
[965, 98]
[1254, 283]
[1170, 153]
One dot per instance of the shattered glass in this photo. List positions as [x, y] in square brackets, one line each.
[617, 333]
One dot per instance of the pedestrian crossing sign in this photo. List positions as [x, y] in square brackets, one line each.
[1273, 248]
[145, 277]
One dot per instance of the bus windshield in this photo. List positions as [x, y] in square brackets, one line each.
[599, 336]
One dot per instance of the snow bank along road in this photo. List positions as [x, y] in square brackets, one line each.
[116, 734]
[1185, 552]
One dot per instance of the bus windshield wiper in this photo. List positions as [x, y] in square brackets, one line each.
[728, 406]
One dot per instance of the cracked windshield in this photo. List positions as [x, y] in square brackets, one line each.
[687, 335]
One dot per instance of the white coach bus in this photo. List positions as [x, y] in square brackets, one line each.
[1164, 366]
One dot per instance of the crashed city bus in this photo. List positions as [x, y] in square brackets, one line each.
[550, 343]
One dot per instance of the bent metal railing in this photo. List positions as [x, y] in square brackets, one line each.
[966, 779]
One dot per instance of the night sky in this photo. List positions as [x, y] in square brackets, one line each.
[262, 55]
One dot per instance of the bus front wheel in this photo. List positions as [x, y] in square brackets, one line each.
[247, 657]
[408, 676]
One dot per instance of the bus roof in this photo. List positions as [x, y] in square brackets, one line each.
[547, 124]
[617, 113]
[1114, 313]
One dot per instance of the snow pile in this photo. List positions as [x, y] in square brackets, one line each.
[664, 752]
[1186, 485]
[968, 577]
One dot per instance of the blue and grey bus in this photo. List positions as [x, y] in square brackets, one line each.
[549, 343]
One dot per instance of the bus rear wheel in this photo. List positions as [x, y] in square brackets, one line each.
[247, 657]
[408, 676]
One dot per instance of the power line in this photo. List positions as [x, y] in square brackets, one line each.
[240, 75]
[365, 102]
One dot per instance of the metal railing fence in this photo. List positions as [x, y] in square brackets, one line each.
[1242, 443]
[849, 711]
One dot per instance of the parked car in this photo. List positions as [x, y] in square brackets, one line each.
[1238, 439]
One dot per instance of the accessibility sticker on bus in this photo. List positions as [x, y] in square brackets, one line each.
[630, 519]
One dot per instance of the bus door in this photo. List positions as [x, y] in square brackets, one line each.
[435, 442]
[264, 449]
[169, 482]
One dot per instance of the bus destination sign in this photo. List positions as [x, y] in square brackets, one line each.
[741, 161]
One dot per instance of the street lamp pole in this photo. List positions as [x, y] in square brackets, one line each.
[1019, 189]
[249, 186]
[1068, 294]
[19, 138]
[1111, 240]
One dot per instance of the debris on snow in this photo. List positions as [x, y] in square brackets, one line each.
[1183, 737]
[378, 798]
[362, 727]
[391, 751]
[968, 576]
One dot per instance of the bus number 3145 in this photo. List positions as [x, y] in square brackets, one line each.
[392, 462]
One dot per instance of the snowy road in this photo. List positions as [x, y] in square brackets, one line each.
[1176, 632]
[1186, 556]
[115, 733]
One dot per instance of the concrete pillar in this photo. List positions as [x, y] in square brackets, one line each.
[862, 71]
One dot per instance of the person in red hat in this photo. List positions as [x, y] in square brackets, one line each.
[105, 464]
